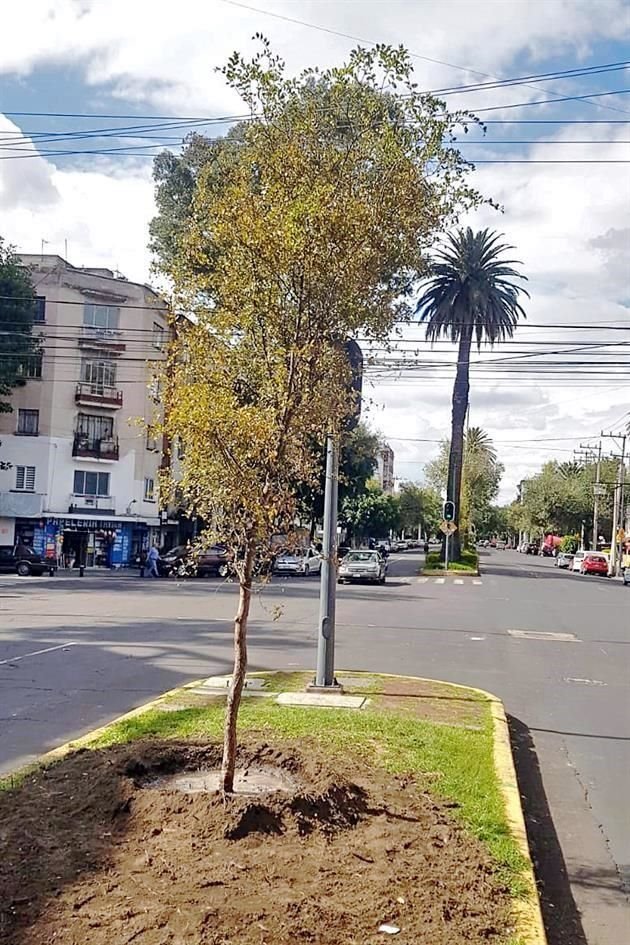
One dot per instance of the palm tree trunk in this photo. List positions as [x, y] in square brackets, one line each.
[461, 391]
[238, 675]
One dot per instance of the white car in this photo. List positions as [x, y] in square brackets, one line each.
[301, 561]
[363, 566]
[578, 558]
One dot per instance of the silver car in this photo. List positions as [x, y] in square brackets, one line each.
[363, 566]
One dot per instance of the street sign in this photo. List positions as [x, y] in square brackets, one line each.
[599, 489]
[448, 528]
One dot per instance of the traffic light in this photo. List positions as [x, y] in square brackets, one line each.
[449, 511]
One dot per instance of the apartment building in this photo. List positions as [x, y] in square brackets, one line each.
[385, 468]
[83, 482]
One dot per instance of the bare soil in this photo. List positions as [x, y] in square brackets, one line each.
[98, 850]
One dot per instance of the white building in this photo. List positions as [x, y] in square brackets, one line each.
[83, 478]
[385, 468]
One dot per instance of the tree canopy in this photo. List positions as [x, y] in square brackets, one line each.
[17, 310]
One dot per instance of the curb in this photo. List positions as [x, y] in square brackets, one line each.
[529, 916]
[453, 573]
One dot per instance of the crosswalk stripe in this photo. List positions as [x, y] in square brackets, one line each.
[440, 580]
[422, 580]
[458, 581]
[477, 582]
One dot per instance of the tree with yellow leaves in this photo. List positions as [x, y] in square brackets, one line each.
[309, 225]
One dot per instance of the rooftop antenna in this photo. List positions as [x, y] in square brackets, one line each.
[44, 243]
[65, 250]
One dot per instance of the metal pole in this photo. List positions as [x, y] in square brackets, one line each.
[448, 538]
[620, 515]
[596, 498]
[613, 540]
[325, 674]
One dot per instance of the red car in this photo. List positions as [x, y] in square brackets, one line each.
[595, 564]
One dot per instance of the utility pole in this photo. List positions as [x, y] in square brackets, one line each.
[618, 503]
[325, 674]
[589, 455]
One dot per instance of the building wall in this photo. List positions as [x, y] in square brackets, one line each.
[67, 290]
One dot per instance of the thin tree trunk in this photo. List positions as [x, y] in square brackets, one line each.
[238, 675]
[461, 391]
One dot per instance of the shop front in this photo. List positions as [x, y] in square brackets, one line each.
[83, 542]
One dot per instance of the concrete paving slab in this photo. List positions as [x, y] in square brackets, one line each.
[222, 682]
[321, 700]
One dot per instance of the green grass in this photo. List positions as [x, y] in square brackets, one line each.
[460, 760]
[469, 562]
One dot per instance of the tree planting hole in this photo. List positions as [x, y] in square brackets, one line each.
[254, 781]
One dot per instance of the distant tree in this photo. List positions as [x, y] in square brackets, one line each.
[410, 504]
[17, 310]
[313, 228]
[373, 515]
[17, 342]
[471, 296]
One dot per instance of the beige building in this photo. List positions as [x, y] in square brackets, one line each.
[385, 468]
[83, 479]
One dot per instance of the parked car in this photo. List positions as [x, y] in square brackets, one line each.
[595, 563]
[626, 577]
[22, 560]
[532, 548]
[564, 559]
[186, 562]
[501, 545]
[363, 566]
[300, 561]
[578, 558]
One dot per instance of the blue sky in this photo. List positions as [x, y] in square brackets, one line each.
[568, 220]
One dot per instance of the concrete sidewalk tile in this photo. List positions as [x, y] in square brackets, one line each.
[321, 700]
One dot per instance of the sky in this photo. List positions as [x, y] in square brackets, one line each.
[557, 173]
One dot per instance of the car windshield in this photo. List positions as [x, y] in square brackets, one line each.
[25, 551]
[362, 556]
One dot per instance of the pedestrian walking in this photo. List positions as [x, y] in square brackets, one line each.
[152, 559]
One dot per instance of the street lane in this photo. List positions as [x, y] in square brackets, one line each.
[133, 639]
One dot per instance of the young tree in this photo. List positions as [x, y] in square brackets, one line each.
[373, 515]
[310, 229]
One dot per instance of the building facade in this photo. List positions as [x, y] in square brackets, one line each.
[82, 486]
[385, 468]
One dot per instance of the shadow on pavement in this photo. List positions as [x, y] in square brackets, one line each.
[560, 913]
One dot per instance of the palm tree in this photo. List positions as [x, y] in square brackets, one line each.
[470, 294]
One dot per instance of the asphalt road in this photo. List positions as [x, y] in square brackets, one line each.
[76, 652]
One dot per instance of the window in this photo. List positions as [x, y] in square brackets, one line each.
[94, 427]
[99, 374]
[149, 490]
[31, 367]
[104, 317]
[158, 335]
[25, 478]
[28, 423]
[91, 483]
[39, 310]
[152, 439]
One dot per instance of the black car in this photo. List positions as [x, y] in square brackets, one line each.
[184, 561]
[22, 560]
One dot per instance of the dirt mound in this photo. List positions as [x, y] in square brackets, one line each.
[95, 850]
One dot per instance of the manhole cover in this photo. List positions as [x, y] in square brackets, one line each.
[254, 780]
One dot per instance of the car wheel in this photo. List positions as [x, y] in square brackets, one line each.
[23, 569]
[307, 570]
[382, 580]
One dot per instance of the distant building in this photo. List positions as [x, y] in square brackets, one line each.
[385, 468]
[83, 482]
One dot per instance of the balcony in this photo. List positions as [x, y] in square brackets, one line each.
[94, 504]
[98, 395]
[101, 339]
[95, 449]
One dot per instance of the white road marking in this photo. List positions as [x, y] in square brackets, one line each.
[458, 581]
[542, 635]
[584, 682]
[422, 580]
[440, 580]
[49, 649]
[476, 638]
[477, 582]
